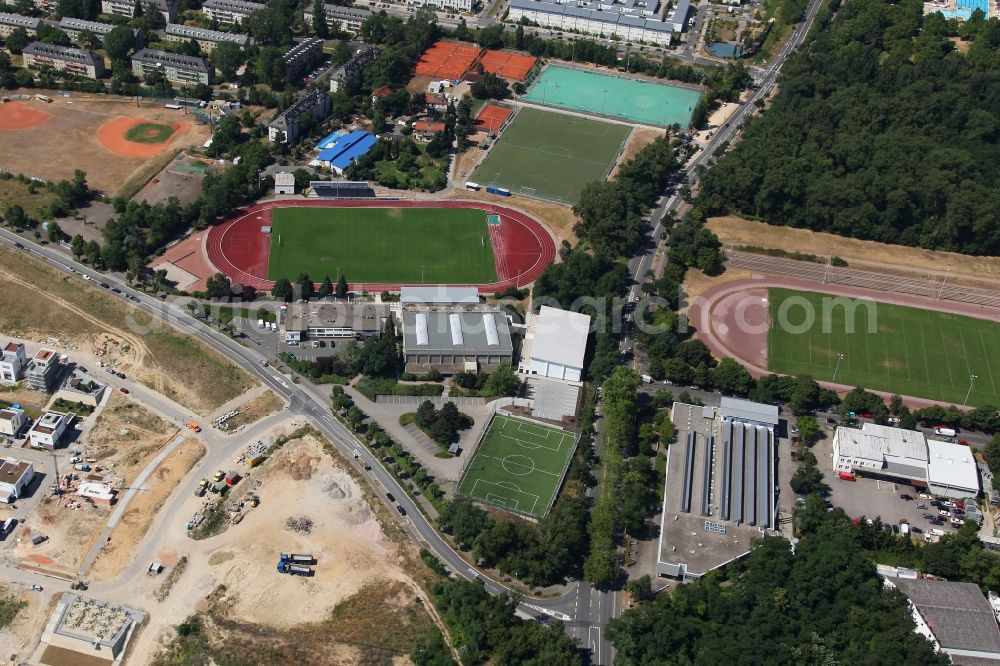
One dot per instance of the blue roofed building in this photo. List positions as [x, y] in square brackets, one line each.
[339, 152]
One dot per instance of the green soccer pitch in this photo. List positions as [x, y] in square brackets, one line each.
[518, 466]
[552, 155]
[912, 351]
[382, 245]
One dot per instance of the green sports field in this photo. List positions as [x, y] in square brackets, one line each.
[911, 351]
[149, 133]
[551, 155]
[518, 466]
[382, 245]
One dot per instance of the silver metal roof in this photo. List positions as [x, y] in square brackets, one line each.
[468, 335]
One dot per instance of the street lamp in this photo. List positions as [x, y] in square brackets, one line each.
[604, 107]
[968, 394]
[840, 357]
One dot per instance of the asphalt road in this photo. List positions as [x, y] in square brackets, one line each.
[584, 609]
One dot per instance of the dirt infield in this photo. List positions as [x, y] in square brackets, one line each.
[69, 140]
[522, 246]
[733, 320]
[112, 136]
[21, 116]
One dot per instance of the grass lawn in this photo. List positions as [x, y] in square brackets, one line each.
[911, 351]
[551, 155]
[149, 133]
[36, 205]
[518, 466]
[392, 245]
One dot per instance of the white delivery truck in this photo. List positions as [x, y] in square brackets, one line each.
[944, 432]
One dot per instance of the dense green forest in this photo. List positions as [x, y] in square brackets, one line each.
[822, 604]
[882, 129]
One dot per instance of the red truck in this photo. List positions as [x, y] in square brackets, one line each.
[847, 476]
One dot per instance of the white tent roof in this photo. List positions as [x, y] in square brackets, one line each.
[952, 465]
[560, 337]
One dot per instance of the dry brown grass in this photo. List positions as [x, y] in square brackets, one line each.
[637, 140]
[697, 283]
[13, 192]
[142, 509]
[861, 254]
[40, 303]
[256, 409]
[557, 217]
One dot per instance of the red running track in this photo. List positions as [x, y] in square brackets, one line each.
[522, 247]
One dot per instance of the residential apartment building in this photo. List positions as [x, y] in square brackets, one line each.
[286, 127]
[340, 19]
[177, 68]
[12, 421]
[67, 59]
[42, 372]
[230, 11]
[350, 73]
[47, 432]
[303, 55]
[74, 27]
[207, 39]
[12, 363]
[632, 20]
[461, 5]
[11, 22]
[167, 9]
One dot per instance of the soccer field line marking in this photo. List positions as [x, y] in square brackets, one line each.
[529, 445]
[525, 428]
[947, 360]
[502, 461]
[474, 492]
[965, 350]
[923, 350]
[989, 367]
[906, 351]
[573, 156]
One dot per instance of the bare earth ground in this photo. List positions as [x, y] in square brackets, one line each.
[364, 593]
[733, 230]
[32, 402]
[638, 139]
[124, 438]
[41, 304]
[136, 520]
[186, 263]
[30, 620]
[256, 409]
[174, 182]
[69, 140]
[557, 217]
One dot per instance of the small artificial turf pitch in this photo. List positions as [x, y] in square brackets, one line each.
[552, 155]
[912, 351]
[149, 133]
[518, 466]
[382, 245]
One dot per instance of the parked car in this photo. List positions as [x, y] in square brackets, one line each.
[390, 497]
[944, 513]
[937, 521]
[906, 498]
[921, 505]
[401, 510]
[123, 390]
[929, 516]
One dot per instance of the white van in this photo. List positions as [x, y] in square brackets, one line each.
[8, 526]
[260, 323]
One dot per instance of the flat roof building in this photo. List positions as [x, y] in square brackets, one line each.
[453, 341]
[334, 320]
[631, 20]
[63, 59]
[47, 432]
[439, 295]
[13, 360]
[719, 491]
[78, 386]
[11, 22]
[339, 19]
[343, 152]
[99, 631]
[908, 456]
[15, 476]
[285, 126]
[230, 11]
[955, 617]
[284, 183]
[555, 344]
[43, 371]
[207, 39]
[174, 66]
[12, 421]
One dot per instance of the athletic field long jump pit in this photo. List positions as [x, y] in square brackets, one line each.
[621, 97]
[552, 155]
[382, 245]
[518, 466]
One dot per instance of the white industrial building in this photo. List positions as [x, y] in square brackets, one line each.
[15, 475]
[891, 453]
[284, 183]
[631, 20]
[455, 341]
[439, 295]
[555, 344]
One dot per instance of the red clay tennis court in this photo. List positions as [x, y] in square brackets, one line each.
[448, 60]
[508, 64]
[492, 118]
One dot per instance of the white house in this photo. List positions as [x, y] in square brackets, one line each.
[555, 344]
[46, 432]
[12, 421]
[15, 475]
[12, 363]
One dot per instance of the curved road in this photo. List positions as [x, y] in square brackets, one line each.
[584, 609]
